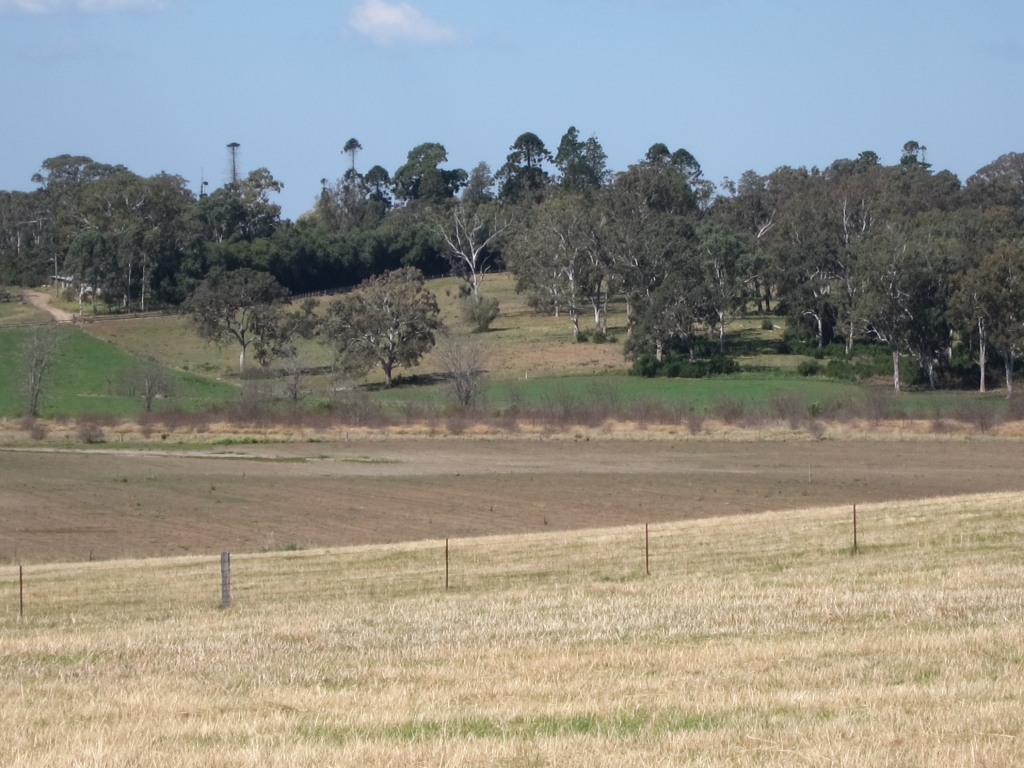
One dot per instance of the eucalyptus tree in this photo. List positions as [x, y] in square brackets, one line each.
[805, 255]
[114, 209]
[930, 331]
[752, 206]
[996, 193]
[558, 257]
[471, 232]
[62, 180]
[261, 216]
[1005, 271]
[23, 225]
[725, 275]
[673, 311]
[888, 301]
[241, 306]
[387, 321]
[989, 303]
[854, 191]
[91, 261]
[650, 212]
[141, 222]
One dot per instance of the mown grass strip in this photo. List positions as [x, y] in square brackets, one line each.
[625, 725]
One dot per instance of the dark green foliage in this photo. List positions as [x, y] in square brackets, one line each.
[809, 368]
[676, 367]
[523, 174]
[421, 179]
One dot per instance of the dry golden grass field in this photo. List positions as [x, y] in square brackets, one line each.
[757, 640]
[119, 503]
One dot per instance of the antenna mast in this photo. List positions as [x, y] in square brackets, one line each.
[233, 148]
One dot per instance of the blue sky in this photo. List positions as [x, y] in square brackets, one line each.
[742, 84]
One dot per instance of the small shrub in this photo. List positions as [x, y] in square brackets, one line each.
[456, 424]
[979, 414]
[816, 429]
[809, 368]
[729, 410]
[90, 432]
[1015, 408]
[767, 324]
[35, 428]
[694, 421]
[321, 405]
[788, 408]
[646, 366]
[480, 312]
[879, 407]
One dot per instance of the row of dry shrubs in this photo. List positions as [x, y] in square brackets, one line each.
[559, 412]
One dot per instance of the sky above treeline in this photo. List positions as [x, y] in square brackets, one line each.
[165, 85]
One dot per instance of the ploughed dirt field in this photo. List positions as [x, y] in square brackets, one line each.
[73, 505]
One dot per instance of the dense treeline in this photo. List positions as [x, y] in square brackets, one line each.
[901, 256]
[130, 241]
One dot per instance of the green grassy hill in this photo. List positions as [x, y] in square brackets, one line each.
[89, 376]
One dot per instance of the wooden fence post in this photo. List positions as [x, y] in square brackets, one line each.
[21, 592]
[446, 565]
[647, 547]
[854, 529]
[225, 579]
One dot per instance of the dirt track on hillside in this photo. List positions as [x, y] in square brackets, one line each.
[42, 301]
[70, 505]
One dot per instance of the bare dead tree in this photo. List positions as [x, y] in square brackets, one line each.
[293, 373]
[39, 351]
[470, 233]
[462, 360]
[148, 380]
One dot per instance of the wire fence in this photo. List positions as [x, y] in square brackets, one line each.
[451, 566]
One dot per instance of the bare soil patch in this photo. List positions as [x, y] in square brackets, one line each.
[73, 505]
[42, 301]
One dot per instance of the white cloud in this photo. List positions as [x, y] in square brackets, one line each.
[43, 7]
[389, 24]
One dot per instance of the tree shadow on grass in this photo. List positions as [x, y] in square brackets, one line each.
[401, 381]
